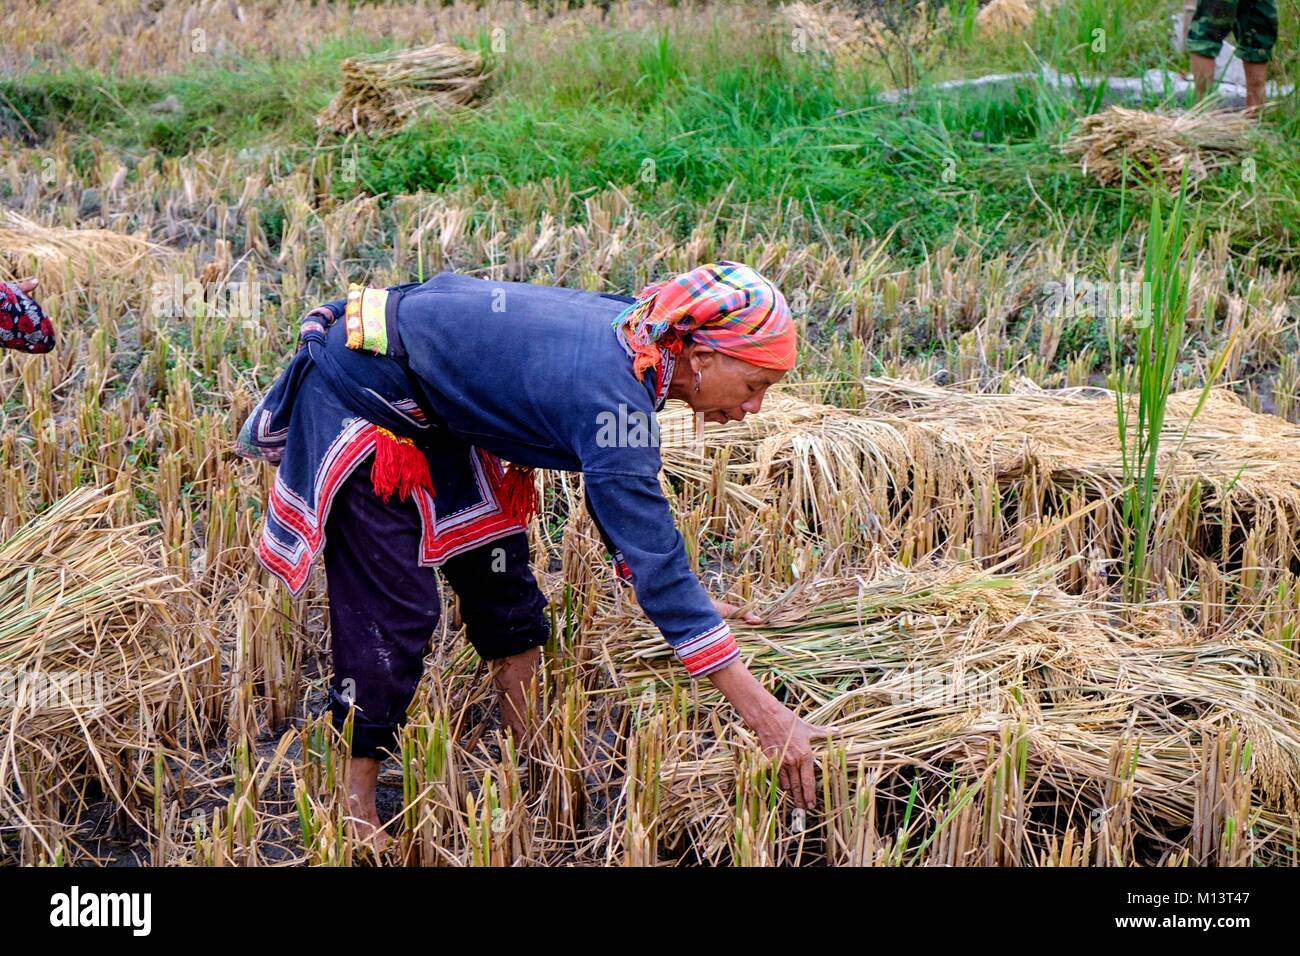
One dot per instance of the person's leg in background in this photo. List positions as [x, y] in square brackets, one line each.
[1210, 25]
[1256, 32]
[383, 608]
[1256, 85]
[1253, 24]
[1185, 22]
[504, 613]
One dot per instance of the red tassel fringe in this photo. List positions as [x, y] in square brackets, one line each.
[517, 493]
[398, 466]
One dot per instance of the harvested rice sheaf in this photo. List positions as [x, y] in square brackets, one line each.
[381, 92]
[97, 655]
[1008, 16]
[1032, 702]
[921, 467]
[68, 259]
[825, 29]
[1156, 145]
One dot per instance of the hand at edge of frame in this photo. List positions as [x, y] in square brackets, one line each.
[736, 612]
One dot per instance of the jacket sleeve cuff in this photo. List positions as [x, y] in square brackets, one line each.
[708, 652]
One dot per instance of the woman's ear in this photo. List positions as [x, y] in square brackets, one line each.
[702, 358]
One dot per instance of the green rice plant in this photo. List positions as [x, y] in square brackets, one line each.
[1005, 808]
[1222, 832]
[849, 799]
[1160, 326]
[495, 818]
[643, 792]
[431, 790]
[320, 798]
[757, 811]
[955, 827]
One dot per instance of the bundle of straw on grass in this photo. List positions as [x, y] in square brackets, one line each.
[96, 664]
[1007, 16]
[825, 29]
[1154, 146]
[382, 91]
[1045, 715]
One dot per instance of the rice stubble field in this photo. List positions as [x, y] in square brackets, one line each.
[1033, 554]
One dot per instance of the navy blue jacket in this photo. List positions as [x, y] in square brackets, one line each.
[538, 375]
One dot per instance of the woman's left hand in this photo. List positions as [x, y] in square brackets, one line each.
[736, 613]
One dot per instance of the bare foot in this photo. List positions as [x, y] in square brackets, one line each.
[515, 679]
[370, 830]
[362, 775]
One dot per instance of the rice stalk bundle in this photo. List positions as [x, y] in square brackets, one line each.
[936, 679]
[1074, 429]
[921, 467]
[1005, 17]
[1158, 146]
[1224, 471]
[381, 92]
[95, 653]
[837, 475]
[825, 29]
[75, 258]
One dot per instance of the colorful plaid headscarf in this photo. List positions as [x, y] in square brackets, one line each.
[726, 306]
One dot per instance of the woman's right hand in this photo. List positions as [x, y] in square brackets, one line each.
[783, 735]
[788, 738]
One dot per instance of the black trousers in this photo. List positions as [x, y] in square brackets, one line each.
[384, 607]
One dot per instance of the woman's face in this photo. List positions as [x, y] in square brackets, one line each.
[730, 388]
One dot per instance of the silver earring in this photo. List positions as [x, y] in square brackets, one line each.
[697, 381]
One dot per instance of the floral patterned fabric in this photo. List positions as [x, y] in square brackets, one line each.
[23, 326]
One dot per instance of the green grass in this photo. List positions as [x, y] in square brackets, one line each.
[236, 103]
[764, 133]
[676, 126]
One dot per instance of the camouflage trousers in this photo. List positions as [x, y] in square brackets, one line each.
[1253, 24]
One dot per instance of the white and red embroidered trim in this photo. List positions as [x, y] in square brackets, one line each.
[440, 539]
[292, 562]
[470, 527]
[708, 652]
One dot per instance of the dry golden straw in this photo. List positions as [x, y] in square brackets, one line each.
[383, 91]
[1007, 16]
[95, 647]
[1157, 146]
[1050, 716]
[937, 566]
[826, 29]
[77, 257]
[920, 467]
